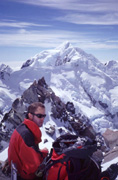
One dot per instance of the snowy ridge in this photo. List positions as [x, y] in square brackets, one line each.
[74, 76]
[112, 69]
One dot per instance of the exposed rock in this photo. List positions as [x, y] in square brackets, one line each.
[50, 130]
[88, 131]
[45, 140]
[19, 106]
[70, 107]
[104, 105]
[39, 91]
[1, 147]
[30, 95]
[111, 138]
[61, 130]
[27, 63]
[112, 154]
[61, 61]
[5, 71]
[98, 156]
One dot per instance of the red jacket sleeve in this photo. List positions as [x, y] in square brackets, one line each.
[30, 158]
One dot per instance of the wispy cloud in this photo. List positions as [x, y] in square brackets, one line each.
[42, 39]
[51, 39]
[60, 21]
[99, 19]
[16, 24]
[101, 12]
[91, 6]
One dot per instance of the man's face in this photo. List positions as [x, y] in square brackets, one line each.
[38, 120]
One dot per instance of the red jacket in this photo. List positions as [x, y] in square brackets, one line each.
[23, 149]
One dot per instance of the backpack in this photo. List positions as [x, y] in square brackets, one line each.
[74, 158]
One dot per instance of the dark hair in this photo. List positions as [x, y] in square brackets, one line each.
[33, 107]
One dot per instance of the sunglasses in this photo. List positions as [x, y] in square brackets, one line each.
[39, 115]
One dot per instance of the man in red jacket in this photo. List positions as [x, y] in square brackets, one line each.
[23, 147]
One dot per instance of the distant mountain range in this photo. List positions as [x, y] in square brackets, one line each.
[74, 76]
[80, 94]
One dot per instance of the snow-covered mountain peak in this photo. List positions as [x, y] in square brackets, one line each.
[5, 71]
[112, 64]
[5, 68]
[53, 57]
[63, 54]
[64, 45]
[64, 77]
[74, 76]
[112, 69]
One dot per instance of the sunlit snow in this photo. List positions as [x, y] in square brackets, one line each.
[74, 76]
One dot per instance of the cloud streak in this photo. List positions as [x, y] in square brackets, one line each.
[16, 24]
[51, 39]
[81, 12]
[90, 25]
[99, 19]
[76, 5]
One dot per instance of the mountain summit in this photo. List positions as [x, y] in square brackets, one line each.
[74, 76]
[60, 55]
[79, 92]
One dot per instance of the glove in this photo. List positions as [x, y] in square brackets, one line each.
[113, 171]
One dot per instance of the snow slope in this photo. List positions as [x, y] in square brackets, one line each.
[74, 76]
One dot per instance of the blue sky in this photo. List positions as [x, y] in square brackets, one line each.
[29, 26]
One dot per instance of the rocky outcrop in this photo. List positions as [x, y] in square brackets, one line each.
[111, 138]
[39, 91]
[112, 154]
[50, 130]
[61, 112]
[27, 63]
